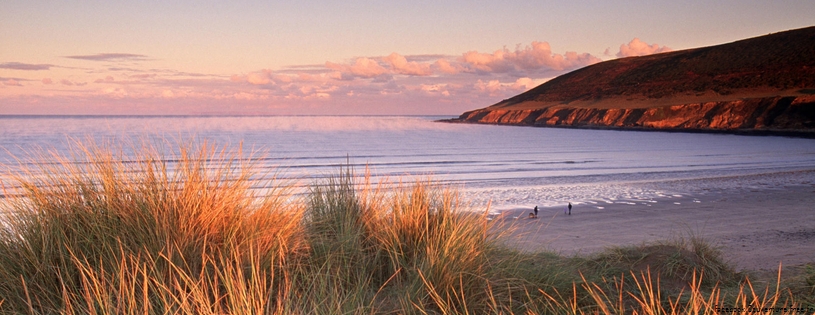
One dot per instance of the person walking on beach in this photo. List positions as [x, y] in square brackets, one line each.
[570, 208]
[536, 211]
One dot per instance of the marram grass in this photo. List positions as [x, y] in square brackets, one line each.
[104, 232]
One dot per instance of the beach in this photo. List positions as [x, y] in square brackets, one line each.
[755, 227]
[752, 195]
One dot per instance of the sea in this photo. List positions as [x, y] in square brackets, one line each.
[499, 167]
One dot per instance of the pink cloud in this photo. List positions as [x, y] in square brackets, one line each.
[47, 81]
[115, 92]
[534, 60]
[491, 87]
[107, 79]
[435, 89]
[400, 65]
[446, 67]
[524, 84]
[12, 82]
[535, 57]
[362, 67]
[289, 79]
[66, 82]
[372, 67]
[636, 47]
[262, 77]
[486, 62]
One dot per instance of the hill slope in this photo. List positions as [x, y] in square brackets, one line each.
[762, 84]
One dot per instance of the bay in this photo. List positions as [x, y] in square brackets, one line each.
[505, 166]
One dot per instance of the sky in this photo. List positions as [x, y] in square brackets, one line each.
[352, 57]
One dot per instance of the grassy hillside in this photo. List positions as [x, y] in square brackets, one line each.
[782, 62]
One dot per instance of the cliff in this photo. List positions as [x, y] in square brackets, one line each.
[759, 85]
[788, 115]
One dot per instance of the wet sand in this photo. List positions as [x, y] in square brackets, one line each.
[755, 228]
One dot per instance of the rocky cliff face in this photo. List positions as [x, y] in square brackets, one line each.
[791, 114]
[764, 84]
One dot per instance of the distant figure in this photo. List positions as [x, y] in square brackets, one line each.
[570, 208]
[536, 211]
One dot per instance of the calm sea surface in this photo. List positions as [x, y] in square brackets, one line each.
[509, 166]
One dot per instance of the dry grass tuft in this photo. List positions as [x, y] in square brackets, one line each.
[200, 232]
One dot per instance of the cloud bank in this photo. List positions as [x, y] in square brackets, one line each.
[390, 84]
[472, 77]
[537, 56]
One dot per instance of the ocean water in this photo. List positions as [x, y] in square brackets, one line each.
[505, 166]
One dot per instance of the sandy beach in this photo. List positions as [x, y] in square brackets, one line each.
[756, 228]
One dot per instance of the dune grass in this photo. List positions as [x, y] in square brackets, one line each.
[107, 232]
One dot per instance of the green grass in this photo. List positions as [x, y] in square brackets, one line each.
[106, 232]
